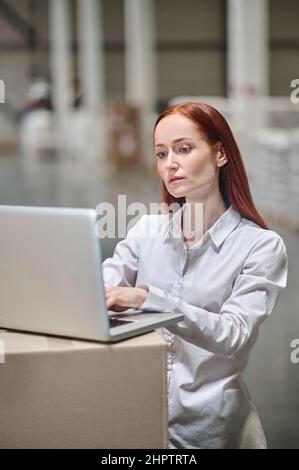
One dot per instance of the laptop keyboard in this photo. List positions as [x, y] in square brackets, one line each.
[116, 322]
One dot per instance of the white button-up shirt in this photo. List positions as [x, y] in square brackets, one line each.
[226, 285]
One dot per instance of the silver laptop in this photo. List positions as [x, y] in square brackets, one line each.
[51, 277]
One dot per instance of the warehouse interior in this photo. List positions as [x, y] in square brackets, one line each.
[81, 84]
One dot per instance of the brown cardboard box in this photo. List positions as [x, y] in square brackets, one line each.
[64, 393]
[123, 135]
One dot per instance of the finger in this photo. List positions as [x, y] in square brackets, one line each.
[117, 308]
[110, 295]
[109, 302]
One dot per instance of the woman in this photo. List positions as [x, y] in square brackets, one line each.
[225, 278]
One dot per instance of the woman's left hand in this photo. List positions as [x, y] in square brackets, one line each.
[119, 299]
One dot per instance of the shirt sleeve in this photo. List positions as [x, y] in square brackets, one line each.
[254, 295]
[121, 269]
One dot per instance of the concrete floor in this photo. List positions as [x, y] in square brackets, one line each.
[271, 377]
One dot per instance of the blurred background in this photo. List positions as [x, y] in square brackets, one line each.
[81, 83]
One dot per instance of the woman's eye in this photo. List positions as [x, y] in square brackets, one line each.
[161, 154]
[185, 149]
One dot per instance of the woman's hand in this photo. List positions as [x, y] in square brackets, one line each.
[119, 299]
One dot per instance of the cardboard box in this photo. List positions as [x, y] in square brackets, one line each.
[64, 393]
[123, 135]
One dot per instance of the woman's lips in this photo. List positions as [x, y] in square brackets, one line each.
[176, 180]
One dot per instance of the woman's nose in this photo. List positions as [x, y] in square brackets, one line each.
[171, 162]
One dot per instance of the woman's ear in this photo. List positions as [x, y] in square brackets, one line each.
[221, 158]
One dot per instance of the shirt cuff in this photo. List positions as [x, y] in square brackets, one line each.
[155, 301]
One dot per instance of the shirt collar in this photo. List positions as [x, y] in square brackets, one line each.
[224, 225]
[218, 233]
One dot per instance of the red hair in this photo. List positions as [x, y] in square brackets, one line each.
[233, 181]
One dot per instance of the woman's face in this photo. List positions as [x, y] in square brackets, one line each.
[183, 153]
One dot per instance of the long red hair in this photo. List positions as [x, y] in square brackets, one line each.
[233, 181]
